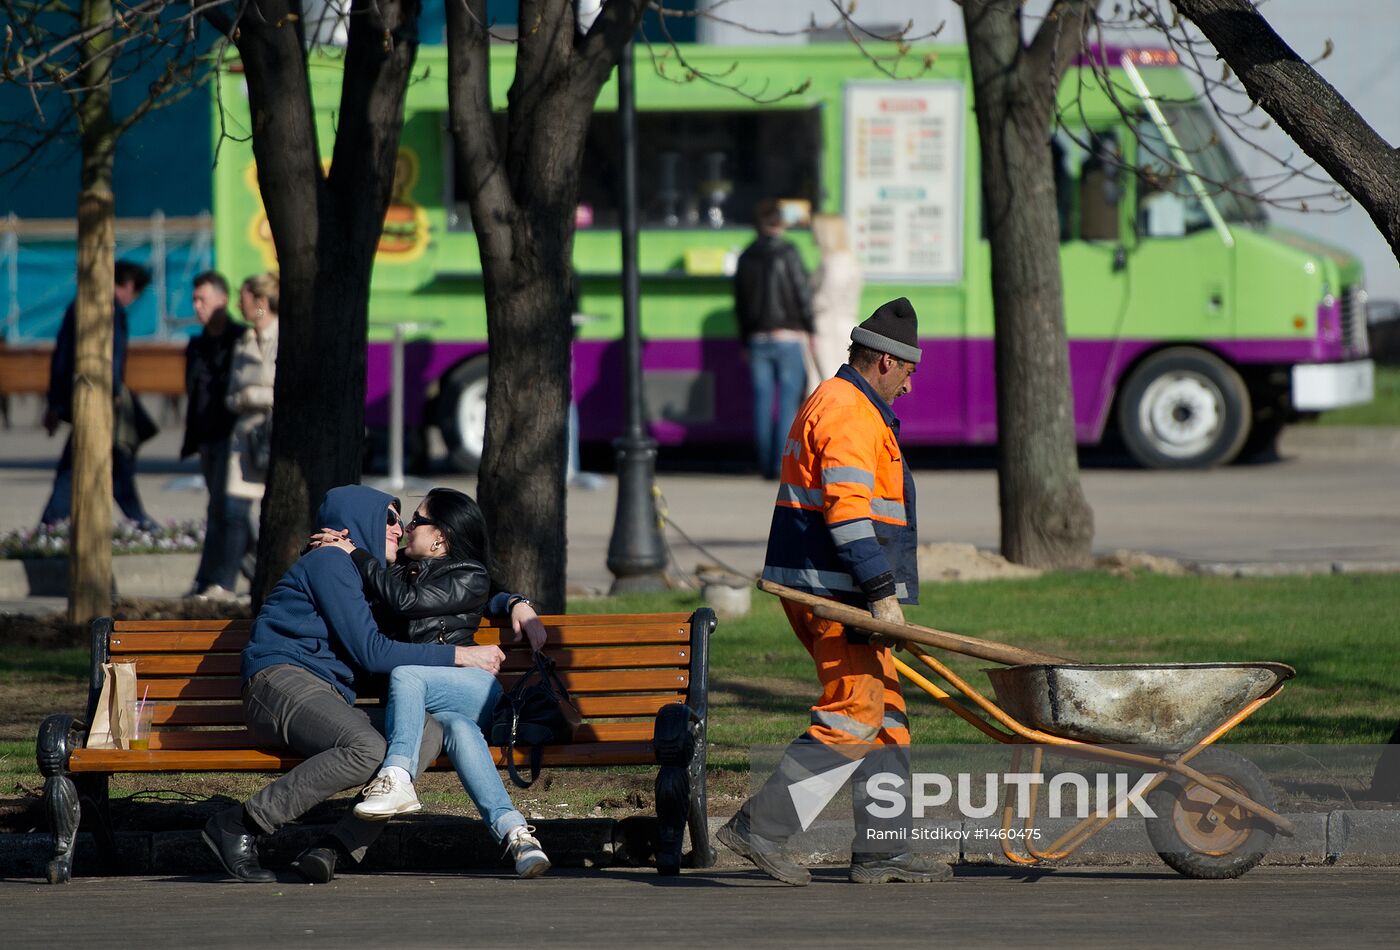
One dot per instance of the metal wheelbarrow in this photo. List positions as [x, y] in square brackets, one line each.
[1216, 812]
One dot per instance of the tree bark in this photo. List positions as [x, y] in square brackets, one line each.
[1045, 519]
[523, 195]
[326, 228]
[1306, 106]
[90, 551]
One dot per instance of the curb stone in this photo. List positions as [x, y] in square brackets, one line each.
[1339, 838]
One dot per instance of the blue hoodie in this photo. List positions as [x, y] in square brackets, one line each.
[317, 616]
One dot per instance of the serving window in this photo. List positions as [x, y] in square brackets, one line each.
[694, 169]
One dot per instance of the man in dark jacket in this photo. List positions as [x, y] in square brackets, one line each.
[208, 421]
[130, 424]
[773, 304]
[313, 637]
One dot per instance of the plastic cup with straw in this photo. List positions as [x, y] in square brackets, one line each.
[141, 725]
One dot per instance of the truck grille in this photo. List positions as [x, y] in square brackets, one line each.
[1354, 320]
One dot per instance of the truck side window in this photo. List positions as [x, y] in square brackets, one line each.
[1087, 168]
[696, 169]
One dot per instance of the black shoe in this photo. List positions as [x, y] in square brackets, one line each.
[765, 854]
[317, 865]
[236, 848]
[908, 867]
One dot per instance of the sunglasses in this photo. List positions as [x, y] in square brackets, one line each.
[394, 518]
[419, 520]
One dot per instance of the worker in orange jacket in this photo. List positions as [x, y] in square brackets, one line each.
[844, 527]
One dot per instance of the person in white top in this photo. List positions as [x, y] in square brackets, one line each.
[251, 376]
[836, 294]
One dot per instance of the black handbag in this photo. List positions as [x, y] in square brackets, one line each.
[536, 712]
[258, 445]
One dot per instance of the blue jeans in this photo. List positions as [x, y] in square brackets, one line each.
[60, 504]
[462, 701]
[213, 462]
[774, 362]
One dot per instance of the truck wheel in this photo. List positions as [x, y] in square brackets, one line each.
[1184, 408]
[461, 414]
[1201, 835]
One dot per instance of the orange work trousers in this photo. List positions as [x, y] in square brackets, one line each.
[860, 702]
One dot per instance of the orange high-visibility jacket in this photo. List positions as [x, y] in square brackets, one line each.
[844, 521]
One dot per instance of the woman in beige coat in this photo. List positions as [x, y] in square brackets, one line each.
[251, 376]
[835, 296]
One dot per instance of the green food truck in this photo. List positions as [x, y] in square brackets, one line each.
[1196, 328]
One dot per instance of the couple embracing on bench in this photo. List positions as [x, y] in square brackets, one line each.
[357, 604]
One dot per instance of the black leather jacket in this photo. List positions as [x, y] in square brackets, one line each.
[436, 600]
[771, 291]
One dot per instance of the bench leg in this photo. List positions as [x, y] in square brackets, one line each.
[675, 751]
[93, 791]
[702, 851]
[61, 800]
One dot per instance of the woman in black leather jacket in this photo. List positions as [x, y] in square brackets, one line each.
[437, 591]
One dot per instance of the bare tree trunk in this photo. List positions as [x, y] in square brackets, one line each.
[523, 194]
[1306, 106]
[90, 552]
[1045, 519]
[326, 228]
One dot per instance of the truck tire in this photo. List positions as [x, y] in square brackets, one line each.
[1184, 408]
[1200, 835]
[461, 414]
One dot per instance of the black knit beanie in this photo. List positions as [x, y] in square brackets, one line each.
[892, 329]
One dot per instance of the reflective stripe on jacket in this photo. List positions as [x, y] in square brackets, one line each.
[844, 516]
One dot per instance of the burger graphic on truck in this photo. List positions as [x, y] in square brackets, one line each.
[405, 234]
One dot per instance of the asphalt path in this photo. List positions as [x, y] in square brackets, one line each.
[1323, 907]
[1334, 496]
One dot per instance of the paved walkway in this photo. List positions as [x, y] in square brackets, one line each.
[1334, 497]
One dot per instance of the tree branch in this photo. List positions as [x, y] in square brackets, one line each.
[1305, 106]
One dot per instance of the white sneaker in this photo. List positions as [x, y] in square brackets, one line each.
[386, 797]
[216, 593]
[524, 847]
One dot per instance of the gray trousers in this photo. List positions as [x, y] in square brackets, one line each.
[291, 707]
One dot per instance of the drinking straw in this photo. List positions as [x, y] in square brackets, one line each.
[142, 707]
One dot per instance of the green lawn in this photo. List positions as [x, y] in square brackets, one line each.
[1384, 410]
[1339, 632]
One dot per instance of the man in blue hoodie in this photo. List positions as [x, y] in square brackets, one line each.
[313, 636]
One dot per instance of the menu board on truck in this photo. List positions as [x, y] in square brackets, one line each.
[904, 189]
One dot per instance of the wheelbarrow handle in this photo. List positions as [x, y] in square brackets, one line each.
[955, 642]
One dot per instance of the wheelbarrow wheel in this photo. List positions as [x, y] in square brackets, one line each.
[1201, 835]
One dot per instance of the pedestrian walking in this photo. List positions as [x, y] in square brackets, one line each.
[208, 420]
[773, 304]
[131, 425]
[844, 527]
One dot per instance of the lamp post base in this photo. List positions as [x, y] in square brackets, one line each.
[636, 551]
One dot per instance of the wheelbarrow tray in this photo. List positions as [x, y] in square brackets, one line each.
[1159, 705]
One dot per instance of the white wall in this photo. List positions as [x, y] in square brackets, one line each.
[1364, 67]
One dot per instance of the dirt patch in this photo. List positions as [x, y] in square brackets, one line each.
[1127, 563]
[965, 562]
[949, 561]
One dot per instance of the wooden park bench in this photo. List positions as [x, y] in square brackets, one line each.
[640, 682]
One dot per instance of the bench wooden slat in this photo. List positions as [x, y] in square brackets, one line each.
[617, 621]
[602, 658]
[239, 738]
[254, 760]
[590, 707]
[127, 643]
[585, 681]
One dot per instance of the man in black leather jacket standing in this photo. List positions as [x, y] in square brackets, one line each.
[773, 304]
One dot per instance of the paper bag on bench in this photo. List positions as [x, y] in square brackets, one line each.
[111, 723]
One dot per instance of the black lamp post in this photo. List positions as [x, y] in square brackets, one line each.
[636, 552]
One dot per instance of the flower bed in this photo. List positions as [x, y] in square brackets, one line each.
[174, 537]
